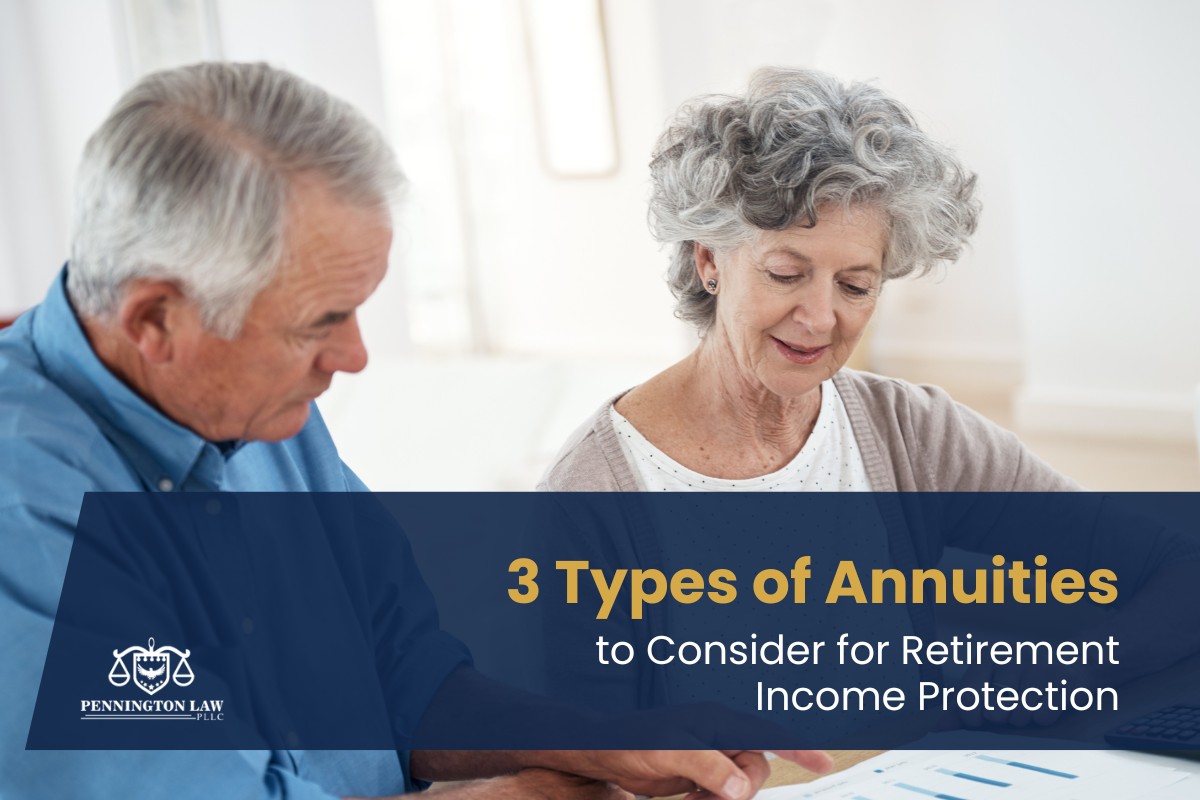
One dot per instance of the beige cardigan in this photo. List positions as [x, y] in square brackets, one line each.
[912, 438]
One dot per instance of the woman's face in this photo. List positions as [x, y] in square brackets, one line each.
[792, 304]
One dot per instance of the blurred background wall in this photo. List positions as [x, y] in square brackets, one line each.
[525, 288]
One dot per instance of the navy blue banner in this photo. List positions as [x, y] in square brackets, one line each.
[529, 621]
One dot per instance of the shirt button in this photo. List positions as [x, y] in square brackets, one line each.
[165, 484]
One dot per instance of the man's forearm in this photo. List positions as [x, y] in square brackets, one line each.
[461, 765]
[528, 784]
[729, 774]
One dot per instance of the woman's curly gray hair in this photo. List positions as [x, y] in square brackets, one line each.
[797, 142]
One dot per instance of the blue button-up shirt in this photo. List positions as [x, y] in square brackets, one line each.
[69, 426]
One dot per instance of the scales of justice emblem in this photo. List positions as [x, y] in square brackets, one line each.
[151, 667]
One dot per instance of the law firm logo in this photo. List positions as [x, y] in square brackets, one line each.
[151, 667]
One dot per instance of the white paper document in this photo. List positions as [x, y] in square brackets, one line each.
[1003, 775]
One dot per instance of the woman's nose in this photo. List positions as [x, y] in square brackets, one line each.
[814, 309]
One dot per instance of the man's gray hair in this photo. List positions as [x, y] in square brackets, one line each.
[797, 142]
[188, 181]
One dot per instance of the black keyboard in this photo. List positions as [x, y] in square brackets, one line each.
[1174, 728]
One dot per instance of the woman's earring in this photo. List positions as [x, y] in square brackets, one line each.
[711, 285]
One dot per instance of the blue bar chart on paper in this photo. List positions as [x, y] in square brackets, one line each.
[1011, 774]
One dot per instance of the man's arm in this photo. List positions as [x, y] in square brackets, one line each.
[730, 774]
[529, 784]
[463, 705]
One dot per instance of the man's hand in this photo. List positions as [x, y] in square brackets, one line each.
[729, 774]
[528, 784]
[534, 784]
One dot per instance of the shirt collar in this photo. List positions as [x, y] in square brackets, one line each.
[164, 453]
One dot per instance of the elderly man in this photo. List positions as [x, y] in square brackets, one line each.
[229, 221]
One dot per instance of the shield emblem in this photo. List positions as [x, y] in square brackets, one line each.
[151, 671]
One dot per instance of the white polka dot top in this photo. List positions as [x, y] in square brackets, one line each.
[830, 460]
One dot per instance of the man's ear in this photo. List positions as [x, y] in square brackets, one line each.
[150, 315]
[706, 265]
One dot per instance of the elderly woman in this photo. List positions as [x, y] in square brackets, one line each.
[786, 211]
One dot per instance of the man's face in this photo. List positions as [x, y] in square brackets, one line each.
[300, 330]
